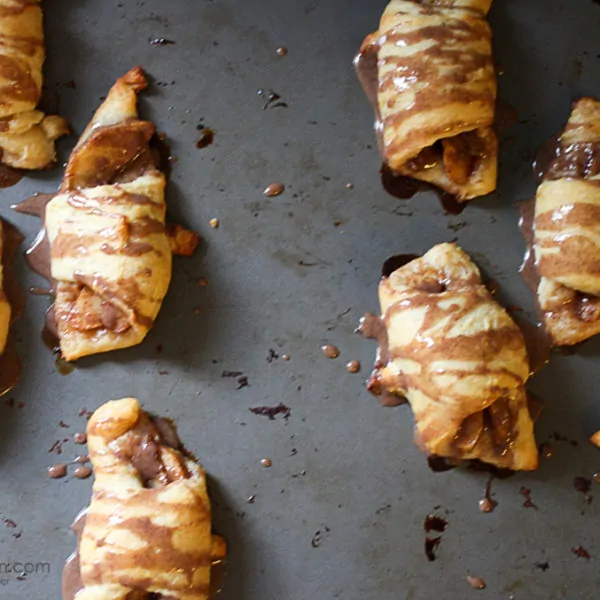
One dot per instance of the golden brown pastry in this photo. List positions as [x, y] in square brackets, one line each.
[435, 93]
[11, 306]
[110, 250]
[148, 528]
[5, 308]
[566, 230]
[26, 135]
[455, 354]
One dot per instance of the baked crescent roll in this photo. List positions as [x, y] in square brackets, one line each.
[11, 306]
[436, 93]
[110, 251]
[566, 230]
[26, 135]
[455, 354]
[5, 308]
[147, 531]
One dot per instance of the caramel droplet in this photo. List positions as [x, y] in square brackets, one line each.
[476, 582]
[353, 366]
[57, 471]
[274, 189]
[349, 186]
[207, 137]
[64, 367]
[546, 450]
[330, 351]
[80, 438]
[286, 357]
[282, 51]
[266, 462]
[82, 472]
[214, 223]
[486, 505]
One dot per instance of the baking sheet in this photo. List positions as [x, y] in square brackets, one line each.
[340, 513]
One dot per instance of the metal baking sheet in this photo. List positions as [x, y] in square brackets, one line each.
[340, 513]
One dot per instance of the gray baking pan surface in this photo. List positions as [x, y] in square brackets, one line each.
[340, 513]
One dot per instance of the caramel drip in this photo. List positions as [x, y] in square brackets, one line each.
[372, 327]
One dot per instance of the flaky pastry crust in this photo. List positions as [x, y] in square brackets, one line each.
[111, 253]
[436, 94]
[27, 135]
[455, 354]
[148, 527]
[566, 230]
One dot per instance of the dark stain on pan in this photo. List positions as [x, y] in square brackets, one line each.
[404, 188]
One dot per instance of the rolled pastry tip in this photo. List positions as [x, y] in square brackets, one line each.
[455, 354]
[566, 229]
[147, 530]
[435, 93]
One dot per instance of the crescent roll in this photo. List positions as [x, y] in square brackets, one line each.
[110, 250]
[11, 306]
[27, 136]
[458, 358]
[566, 230]
[435, 93]
[147, 531]
[5, 307]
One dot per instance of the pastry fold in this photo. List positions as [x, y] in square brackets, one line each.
[436, 93]
[148, 528]
[27, 136]
[459, 359]
[110, 254]
[566, 230]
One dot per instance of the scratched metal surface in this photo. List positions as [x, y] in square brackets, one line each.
[342, 466]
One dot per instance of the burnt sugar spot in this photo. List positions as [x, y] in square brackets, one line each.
[431, 547]
[435, 523]
[527, 502]
[396, 262]
[272, 411]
